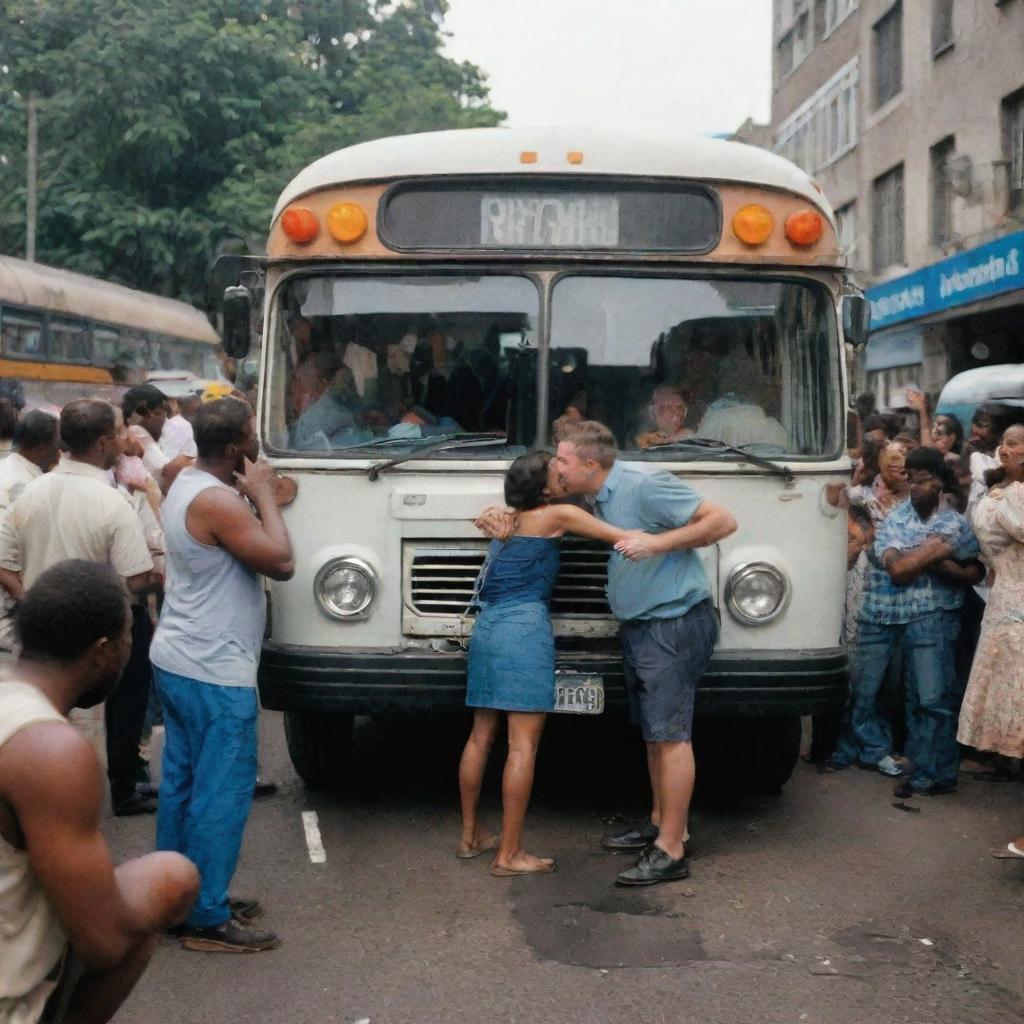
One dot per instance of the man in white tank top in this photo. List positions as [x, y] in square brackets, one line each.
[205, 654]
[76, 933]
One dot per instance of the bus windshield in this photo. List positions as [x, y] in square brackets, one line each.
[358, 362]
[746, 363]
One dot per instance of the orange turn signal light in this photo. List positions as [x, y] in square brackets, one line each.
[347, 222]
[528, 156]
[753, 224]
[574, 156]
[804, 227]
[300, 224]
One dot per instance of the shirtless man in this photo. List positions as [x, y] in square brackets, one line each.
[76, 933]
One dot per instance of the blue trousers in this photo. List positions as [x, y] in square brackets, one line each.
[209, 771]
[928, 646]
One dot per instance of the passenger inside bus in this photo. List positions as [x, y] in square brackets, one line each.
[355, 379]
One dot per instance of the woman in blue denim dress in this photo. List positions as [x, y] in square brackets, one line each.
[512, 657]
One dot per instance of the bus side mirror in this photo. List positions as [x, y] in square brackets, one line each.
[237, 314]
[856, 319]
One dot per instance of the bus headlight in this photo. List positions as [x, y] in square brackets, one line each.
[345, 587]
[756, 593]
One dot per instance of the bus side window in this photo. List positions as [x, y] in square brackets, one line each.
[70, 342]
[106, 344]
[22, 336]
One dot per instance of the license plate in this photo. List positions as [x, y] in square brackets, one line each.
[578, 694]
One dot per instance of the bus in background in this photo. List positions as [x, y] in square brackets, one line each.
[434, 303]
[64, 335]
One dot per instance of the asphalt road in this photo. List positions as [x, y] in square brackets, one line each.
[822, 904]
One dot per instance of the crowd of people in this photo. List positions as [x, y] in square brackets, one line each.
[934, 600]
[132, 542]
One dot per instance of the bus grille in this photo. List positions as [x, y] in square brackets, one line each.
[440, 580]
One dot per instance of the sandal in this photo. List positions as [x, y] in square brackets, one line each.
[485, 845]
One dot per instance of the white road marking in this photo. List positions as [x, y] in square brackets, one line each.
[311, 825]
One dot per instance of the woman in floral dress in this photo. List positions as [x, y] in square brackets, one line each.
[992, 716]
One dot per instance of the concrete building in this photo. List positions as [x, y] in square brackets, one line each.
[910, 114]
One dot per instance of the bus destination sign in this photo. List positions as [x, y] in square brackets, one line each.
[550, 220]
[550, 215]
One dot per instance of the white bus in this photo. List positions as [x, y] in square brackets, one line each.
[435, 302]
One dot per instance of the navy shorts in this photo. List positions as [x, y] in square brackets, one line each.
[664, 661]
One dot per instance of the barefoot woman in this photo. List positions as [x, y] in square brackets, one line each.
[512, 657]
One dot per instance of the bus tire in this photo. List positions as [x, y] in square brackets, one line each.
[747, 755]
[319, 745]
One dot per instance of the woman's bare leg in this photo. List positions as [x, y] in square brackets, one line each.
[524, 732]
[471, 776]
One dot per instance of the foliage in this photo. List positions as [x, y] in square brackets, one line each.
[168, 128]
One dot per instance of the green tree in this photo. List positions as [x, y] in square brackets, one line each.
[169, 127]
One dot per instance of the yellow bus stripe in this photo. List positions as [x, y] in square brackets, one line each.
[31, 370]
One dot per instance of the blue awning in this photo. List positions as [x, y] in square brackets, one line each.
[991, 269]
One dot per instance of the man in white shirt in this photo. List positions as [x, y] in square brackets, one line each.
[74, 512]
[36, 447]
[145, 409]
[35, 451]
[176, 438]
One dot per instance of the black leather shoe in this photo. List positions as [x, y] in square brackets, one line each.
[135, 804]
[655, 866]
[637, 837]
[229, 937]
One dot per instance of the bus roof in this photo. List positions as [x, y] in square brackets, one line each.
[497, 151]
[70, 294]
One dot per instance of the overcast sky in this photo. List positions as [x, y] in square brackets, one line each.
[691, 66]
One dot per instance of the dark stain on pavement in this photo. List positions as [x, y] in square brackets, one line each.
[576, 916]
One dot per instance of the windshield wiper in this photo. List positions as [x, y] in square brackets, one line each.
[699, 444]
[435, 444]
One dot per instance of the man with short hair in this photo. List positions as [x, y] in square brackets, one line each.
[205, 655]
[36, 442]
[74, 512]
[668, 626]
[76, 933]
[35, 452]
[145, 408]
[176, 438]
[924, 557]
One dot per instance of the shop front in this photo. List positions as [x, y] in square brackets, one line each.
[961, 312]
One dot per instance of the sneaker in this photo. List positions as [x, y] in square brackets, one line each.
[655, 866]
[637, 837]
[229, 937]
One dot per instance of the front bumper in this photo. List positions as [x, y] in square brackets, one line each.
[755, 683]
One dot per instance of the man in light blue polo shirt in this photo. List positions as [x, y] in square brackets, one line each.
[659, 592]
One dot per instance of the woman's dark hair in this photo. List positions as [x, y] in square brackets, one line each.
[881, 421]
[869, 452]
[526, 480]
[954, 426]
[69, 607]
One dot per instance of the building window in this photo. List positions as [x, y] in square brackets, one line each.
[888, 54]
[846, 231]
[887, 219]
[836, 12]
[1013, 146]
[942, 193]
[824, 127]
[942, 26]
[802, 40]
[785, 55]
